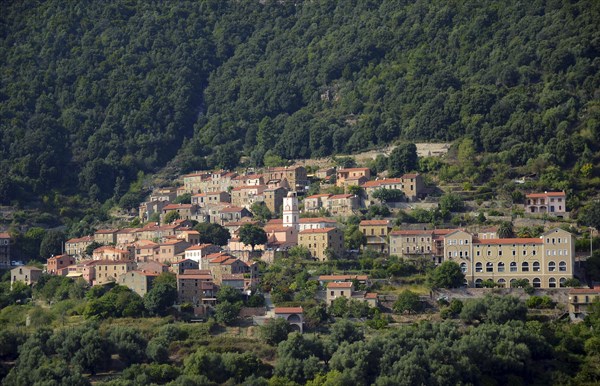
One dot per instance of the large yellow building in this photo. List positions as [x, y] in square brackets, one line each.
[544, 262]
[322, 242]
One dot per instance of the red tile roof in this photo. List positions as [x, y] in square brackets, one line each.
[177, 206]
[199, 247]
[75, 240]
[312, 220]
[371, 295]
[346, 284]
[352, 170]
[289, 310]
[319, 230]
[374, 222]
[595, 290]
[318, 196]
[509, 241]
[546, 194]
[338, 196]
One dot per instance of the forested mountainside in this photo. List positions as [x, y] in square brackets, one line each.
[91, 93]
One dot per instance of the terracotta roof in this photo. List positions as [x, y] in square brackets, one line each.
[318, 196]
[312, 220]
[109, 248]
[289, 310]
[546, 194]
[220, 259]
[181, 261]
[353, 170]
[126, 230]
[110, 262]
[345, 284]
[385, 181]
[410, 175]
[277, 221]
[230, 261]
[509, 241]
[277, 228]
[371, 295]
[374, 222]
[595, 290]
[319, 230]
[338, 196]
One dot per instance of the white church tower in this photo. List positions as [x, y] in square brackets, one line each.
[291, 213]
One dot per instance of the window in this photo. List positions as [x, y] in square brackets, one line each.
[478, 283]
[537, 283]
[562, 281]
[502, 283]
[525, 267]
[536, 266]
[562, 266]
[513, 267]
[552, 283]
[463, 267]
[551, 266]
[500, 267]
[478, 267]
[489, 267]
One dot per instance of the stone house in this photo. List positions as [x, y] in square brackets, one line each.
[322, 243]
[77, 246]
[352, 173]
[138, 281]
[343, 204]
[26, 274]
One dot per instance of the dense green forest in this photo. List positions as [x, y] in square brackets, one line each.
[92, 93]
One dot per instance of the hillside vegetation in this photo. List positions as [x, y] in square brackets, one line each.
[93, 93]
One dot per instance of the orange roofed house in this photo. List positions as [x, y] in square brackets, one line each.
[352, 176]
[57, 265]
[553, 203]
[293, 315]
[77, 246]
[411, 244]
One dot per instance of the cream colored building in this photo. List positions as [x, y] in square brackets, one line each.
[580, 300]
[322, 242]
[376, 232]
[545, 262]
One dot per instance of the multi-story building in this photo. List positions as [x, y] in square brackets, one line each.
[544, 262]
[553, 203]
[345, 289]
[107, 271]
[196, 252]
[295, 176]
[192, 182]
[343, 204]
[315, 203]
[138, 281]
[171, 250]
[353, 174]
[376, 232]
[245, 196]
[322, 243]
[273, 198]
[185, 211]
[5, 241]
[148, 208]
[168, 194]
[411, 185]
[196, 288]
[201, 199]
[411, 244]
[57, 265]
[126, 236]
[77, 246]
[27, 274]
[106, 236]
[111, 253]
[580, 300]
[180, 266]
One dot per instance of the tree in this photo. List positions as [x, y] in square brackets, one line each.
[52, 244]
[452, 202]
[171, 216]
[354, 239]
[226, 312]
[212, 233]
[505, 230]
[389, 195]
[447, 275]
[408, 301]
[252, 235]
[162, 295]
[185, 198]
[261, 211]
[403, 159]
[129, 343]
[228, 294]
[589, 215]
[275, 331]
[89, 250]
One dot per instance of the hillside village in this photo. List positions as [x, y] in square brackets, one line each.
[319, 225]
